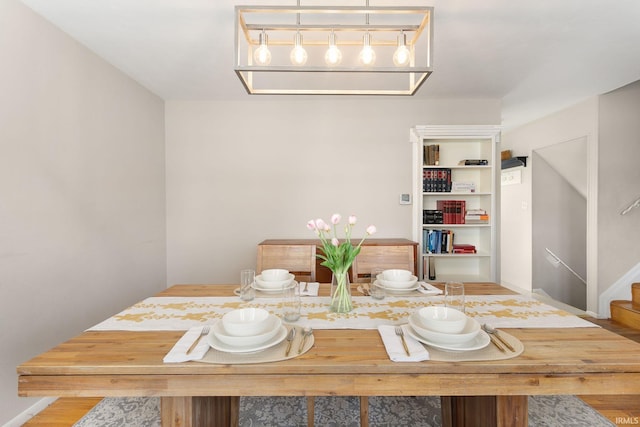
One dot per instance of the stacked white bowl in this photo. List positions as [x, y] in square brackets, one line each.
[397, 279]
[444, 325]
[246, 327]
[274, 279]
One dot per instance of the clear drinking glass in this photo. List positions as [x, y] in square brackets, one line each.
[247, 291]
[291, 302]
[376, 289]
[454, 295]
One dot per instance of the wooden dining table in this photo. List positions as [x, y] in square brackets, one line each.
[342, 362]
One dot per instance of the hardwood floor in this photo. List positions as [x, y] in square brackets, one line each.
[63, 412]
[620, 410]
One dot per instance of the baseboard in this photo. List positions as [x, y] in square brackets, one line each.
[594, 315]
[541, 295]
[515, 288]
[30, 412]
[620, 290]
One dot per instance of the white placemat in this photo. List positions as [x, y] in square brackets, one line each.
[420, 352]
[271, 354]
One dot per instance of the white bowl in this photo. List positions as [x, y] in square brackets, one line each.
[273, 326]
[471, 329]
[274, 274]
[446, 320]
[274, 284]
[397, 284]
[245, 322]
[396, 275]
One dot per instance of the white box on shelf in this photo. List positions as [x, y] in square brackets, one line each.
[463, 187]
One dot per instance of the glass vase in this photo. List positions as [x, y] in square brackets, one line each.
[341, 293]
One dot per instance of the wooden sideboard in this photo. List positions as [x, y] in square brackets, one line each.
[394, 246]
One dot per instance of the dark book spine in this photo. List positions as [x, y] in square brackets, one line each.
[432, 269]
[476, 162]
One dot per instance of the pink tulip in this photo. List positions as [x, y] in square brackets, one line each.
[338, 256]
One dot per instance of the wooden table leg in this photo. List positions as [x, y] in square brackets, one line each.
[197, 411]
[311, 412]
[364, 411]
[484, 411]
[512, 411]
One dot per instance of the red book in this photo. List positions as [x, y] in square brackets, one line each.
[463, 248]
[460, 212]
[453, 211]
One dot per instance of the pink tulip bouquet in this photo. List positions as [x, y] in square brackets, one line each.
[338, 256]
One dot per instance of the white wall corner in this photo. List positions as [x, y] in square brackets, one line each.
[620, 290]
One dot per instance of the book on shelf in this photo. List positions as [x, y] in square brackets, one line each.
[463, 187]
[474, 219]
[477, 221]
[473, 162]
[431, 155]
[453, 211]
[437, 241]
[432, 216]
[436, 180]
[464, 248]
[429, 269]
[476, 216]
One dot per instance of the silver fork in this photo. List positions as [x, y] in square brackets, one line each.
[205, 331]
[400, 333]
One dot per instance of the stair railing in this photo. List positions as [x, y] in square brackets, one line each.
[632, 206]
[555, 261]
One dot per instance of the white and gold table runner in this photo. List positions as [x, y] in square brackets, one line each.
[182, 313]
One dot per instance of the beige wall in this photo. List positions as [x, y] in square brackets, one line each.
[82, 182]
[559, 223]
[610, 124]
[516, 226]
[619, 184]
[82, 226]
[242, 172]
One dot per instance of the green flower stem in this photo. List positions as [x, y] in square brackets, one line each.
[338, 256]
[341, 298]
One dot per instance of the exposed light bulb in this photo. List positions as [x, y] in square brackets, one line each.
[402, 56]
[298, 55]
[333, 56]
[262, 55]
[367, 55]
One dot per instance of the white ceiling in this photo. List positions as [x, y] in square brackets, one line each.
[537, 56]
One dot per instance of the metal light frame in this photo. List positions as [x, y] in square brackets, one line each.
[349, 24]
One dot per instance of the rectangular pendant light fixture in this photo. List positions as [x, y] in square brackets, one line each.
[333, 50]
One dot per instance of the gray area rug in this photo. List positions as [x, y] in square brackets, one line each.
[544, 411]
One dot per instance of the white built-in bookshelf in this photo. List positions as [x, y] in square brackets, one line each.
[477, 253]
